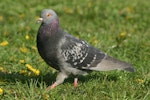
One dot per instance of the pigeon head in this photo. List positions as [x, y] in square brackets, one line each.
[47, 16]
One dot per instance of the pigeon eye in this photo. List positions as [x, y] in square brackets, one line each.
[48, 15]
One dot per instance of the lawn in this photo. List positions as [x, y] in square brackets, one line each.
[119, 28]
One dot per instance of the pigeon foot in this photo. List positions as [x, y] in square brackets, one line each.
[75, 82]
[51, 87]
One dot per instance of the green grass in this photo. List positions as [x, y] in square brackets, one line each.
[119, 28]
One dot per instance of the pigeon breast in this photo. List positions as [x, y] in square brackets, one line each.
[47, 40]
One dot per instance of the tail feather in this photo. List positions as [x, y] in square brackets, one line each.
[109, 63]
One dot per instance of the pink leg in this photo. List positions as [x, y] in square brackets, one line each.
[51, 87]
[59, 79]
[75, 82]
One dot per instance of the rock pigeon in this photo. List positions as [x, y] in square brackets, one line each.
[68, 54]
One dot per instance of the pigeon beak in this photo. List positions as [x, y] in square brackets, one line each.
[39, 20]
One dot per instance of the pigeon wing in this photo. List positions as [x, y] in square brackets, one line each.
[79, 54]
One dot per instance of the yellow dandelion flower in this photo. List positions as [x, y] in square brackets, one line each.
[22, 72]
[89, 4]
[27, 37]
[1, 91]
[79, 10]
[2, 70]
[33, 47]
[4, 43]
[23, 49]
[95, 41]
[128, 9]
[122, 34]
[1, 18]
[30, 68]
[21, 15]
[21, 61]
[5, 33]
[127, 17]
[68, 10]
[139, 81]
[37, 17]
[37, 72]
[45, 96]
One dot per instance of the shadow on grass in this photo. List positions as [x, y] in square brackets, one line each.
[15, 76]
[49, 78]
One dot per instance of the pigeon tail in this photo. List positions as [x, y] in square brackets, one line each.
[109, 63]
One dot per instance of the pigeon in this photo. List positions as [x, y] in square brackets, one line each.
[68, 54]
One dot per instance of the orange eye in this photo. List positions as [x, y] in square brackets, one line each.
[48, 14]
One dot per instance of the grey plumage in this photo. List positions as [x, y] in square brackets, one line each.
[68, 54]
